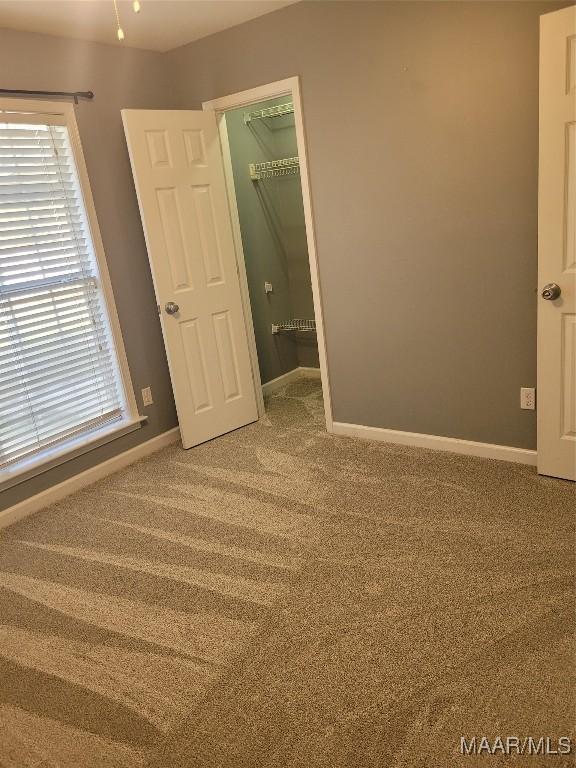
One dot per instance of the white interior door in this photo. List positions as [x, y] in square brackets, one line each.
[179, 176]
[557, 247]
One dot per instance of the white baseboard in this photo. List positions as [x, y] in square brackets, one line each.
[286, 378]
[89, 476]
[437, 443]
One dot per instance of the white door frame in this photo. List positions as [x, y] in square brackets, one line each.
[288, 87]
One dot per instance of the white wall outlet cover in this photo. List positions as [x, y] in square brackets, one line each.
[528, 398]
[268, 287]
[147, 396]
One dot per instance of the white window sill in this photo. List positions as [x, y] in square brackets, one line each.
[53, 457]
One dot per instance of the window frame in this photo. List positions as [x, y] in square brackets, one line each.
[63, 113]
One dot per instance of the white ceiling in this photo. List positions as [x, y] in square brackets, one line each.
[160, 26]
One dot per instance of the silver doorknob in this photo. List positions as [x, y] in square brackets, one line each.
[171, 308]
[551, 292]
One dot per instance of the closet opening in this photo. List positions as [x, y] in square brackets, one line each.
[265, 174]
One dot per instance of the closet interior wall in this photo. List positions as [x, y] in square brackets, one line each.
[273, 232]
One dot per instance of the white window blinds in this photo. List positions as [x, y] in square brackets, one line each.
[59, 376]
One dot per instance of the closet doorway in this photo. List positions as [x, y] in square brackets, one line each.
[264, 154]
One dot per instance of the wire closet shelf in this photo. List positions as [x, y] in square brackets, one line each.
[285, 167]
[270, 112]
[294, 325]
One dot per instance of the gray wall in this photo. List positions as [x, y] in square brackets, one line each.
[422, 132]
[274, 240]
[120, 77]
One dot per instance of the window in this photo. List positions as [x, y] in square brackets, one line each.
[61, 382]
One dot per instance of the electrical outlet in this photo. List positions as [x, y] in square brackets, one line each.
[268, 287]
[147, 396]
[528, 398]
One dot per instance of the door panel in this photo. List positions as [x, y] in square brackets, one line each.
[569, 366]
[227, 355]
[557, 246]
[570, 217]
[178, 172]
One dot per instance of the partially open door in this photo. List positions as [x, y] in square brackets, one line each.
[557, 247]
[179, 177]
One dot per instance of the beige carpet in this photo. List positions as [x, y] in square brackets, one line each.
[282, 598]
